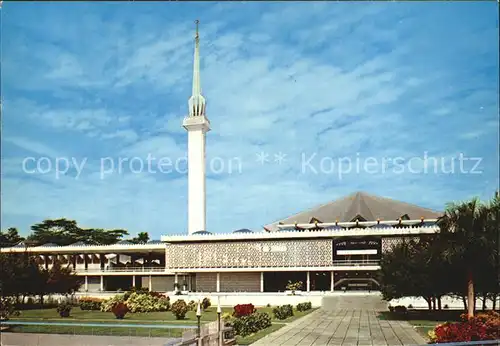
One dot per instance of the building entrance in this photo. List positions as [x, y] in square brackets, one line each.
[356, 281]
[320, 281]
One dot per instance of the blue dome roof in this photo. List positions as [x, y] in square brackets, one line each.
[243, 230]
[78, 243]
[49, 245]
[154, 242]
[124, 242]
[201, 233]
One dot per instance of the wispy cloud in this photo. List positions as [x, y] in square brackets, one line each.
[327, 79]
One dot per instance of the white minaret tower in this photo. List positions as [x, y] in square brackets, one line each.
[196, 124]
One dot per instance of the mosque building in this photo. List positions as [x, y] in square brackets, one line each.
[335, 246]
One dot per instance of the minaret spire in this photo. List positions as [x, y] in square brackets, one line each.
[197, 125]
[197, 102]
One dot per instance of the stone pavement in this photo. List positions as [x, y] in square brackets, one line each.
[355, 326]
[33, 339]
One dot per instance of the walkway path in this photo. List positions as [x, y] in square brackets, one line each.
[32, 339]
[355, 326]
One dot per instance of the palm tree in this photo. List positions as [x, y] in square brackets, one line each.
[464, 230]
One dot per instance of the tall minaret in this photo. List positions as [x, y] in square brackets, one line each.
[196, 124]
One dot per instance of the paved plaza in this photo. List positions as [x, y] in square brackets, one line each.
[350, 321]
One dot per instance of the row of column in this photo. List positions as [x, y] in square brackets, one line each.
[176, 281]
[86, 284]
[308, 282]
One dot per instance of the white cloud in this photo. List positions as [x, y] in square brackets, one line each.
[325, 78]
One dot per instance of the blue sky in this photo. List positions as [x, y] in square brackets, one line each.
[307, 81]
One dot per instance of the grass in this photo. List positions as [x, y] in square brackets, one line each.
[80, 330]
[247, 340]
[79, 316]
[423, 320]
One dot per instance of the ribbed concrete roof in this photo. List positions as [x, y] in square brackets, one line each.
[359, 205]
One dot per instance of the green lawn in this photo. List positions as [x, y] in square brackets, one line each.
[151, 317]
[79, 330]
[423, 320]
[247, 340]
[77, 315]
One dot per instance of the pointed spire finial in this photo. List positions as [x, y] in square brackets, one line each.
[197, 101]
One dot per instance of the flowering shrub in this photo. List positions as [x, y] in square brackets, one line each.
[120, 310]
[139, 302]
[294, 286]
[241, 310]
[7, 308]
[304, 306]
[64, 308]
[252, 323]
[226, 316]
[108, 304]
[179, 309]
[480, 327]
[283, 312]
[192, 305]
[88, 303]
[205, 303]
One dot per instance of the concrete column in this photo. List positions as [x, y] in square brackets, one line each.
[308, 282]
[262, 281]
[332, 281]
[133, 280]
[86, 261]
[86, 283]
[102, 283]
[150, 284]
[46, 259]
[218, 282]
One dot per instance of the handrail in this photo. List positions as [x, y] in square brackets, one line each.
[356, 262]
[123, 269]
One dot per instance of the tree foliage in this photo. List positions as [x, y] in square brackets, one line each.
[66, 232]
[142, 238]
[20, 275]
[461, 260]
[10, 237]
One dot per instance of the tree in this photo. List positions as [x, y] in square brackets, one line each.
[59, 231]
[10, 237]
[142, 238]
[396, 273]
[414, 268]
[464, 229]
[106, 237]
[62, 280]
[66, 232]
[20, 275]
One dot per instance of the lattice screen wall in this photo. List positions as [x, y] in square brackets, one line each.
[388, 243]
[280, 253]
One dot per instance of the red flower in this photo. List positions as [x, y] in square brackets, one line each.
[241, 310]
